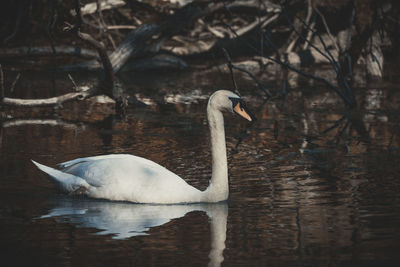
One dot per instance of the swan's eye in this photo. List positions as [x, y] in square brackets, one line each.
[235, 102]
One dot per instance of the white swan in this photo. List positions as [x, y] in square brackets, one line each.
[135, 179]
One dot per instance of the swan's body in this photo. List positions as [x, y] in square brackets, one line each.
[130, 178]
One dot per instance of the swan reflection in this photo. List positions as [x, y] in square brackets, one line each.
[125, 220]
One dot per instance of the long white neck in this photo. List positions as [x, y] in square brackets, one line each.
[218, 190]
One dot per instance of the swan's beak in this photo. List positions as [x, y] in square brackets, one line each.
[241, 109]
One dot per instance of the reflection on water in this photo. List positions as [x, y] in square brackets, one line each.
[311, 183]
[125, 220]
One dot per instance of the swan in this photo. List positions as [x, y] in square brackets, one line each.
[124, 177]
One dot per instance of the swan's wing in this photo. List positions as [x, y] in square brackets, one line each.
[127, 177]
[107, 167]
[70, 163]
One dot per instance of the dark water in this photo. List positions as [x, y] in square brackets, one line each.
[311, 183]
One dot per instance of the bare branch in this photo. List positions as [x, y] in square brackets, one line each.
[309, 35]
[348, 101]
[228, 58]
[108, 84]
[295, 36]
[330, 58]
[327, 28]
[108, 69]
[259, 84]
[73, 82]
[340, 77]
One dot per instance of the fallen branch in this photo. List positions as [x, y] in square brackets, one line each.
[134, 43]
[47, 50]
[52, 101]
[159, 61]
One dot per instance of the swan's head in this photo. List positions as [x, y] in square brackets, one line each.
[225, 100]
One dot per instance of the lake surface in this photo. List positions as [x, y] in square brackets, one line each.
[311, 183]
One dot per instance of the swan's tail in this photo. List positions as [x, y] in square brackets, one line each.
[68, 182]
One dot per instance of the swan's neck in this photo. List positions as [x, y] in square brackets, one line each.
[218, 190]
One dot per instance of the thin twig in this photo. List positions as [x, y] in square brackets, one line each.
[230, 66]
[295, 38]
[327, 28]
[73, 82]
[78, 25]
[259, 84]
[121, 27]
[376, 60]
[310, 34]
[339, 134]
[15, 82]
[98, 11]
[108, 69]
[112, 41]
[337, 123]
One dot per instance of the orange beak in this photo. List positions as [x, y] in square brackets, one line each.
[242, 112]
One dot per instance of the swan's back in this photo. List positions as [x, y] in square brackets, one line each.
[130, 178]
